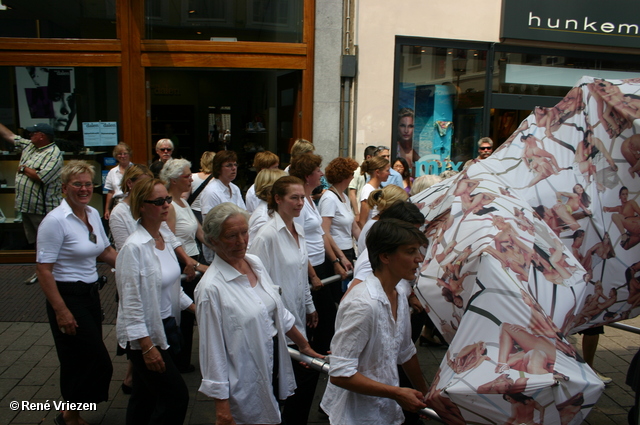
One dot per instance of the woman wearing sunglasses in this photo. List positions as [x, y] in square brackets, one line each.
[151, 298]
[70, 238]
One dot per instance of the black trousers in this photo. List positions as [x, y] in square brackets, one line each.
[320, 336]
[157, 398]
[187, 321]
[85, 364]
[297, 407]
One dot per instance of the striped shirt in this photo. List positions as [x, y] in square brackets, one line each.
[47, 161]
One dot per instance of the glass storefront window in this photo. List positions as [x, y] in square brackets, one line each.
[440, 100]
[64, 97]
[553, 73]
[226, 20]
[58, 19]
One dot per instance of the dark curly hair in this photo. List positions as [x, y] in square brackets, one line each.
[340, 169]
[304, 165]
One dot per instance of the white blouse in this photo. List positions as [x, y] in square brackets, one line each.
[339, 210]
[362, 240]
[368, 340]
[217, 193]
[252, 200]
[259, 218]
[63, 240]
[311, 222]
[364, 195]
[286, 263]
[139, 282]
[236, 351]
[186, 228]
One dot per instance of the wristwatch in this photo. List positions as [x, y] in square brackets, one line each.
[22, 167]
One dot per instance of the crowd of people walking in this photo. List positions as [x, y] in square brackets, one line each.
[190, 248]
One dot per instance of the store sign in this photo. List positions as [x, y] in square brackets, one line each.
[573, 21]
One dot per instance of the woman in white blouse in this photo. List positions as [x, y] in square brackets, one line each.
[262, 189]
[151, 299]
[325, 258]
[199, 180]
[378, 170]
[224, 169]
[122, 153]
[373, 335]
[337, 217]
[280, 244]
[243, 327]
[70, 239]
[176, 174]
[263, 161]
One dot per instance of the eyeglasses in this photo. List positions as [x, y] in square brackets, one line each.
[382, 148]
[165, 149]
[160, 201]
[79, 185]
[485, 148]
[231, 165]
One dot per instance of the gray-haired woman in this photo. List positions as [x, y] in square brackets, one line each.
[245, 372]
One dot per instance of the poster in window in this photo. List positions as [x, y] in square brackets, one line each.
[46, 94]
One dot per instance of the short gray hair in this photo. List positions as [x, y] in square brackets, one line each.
[485, 140]
[162, 142]
[173, 169]
[215, 219]
[424, 182]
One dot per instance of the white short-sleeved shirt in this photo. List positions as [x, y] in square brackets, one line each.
[258, 218]
[311, 222]
[236, 351]
[195, 184]
[186, 228]
[63, 239]
[252, 200]
[217, 193]
[368, 341]
[362, 239]
[364, 195]
[113, 180]
[341, 217]
[286, 262]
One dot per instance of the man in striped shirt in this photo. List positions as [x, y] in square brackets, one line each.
[38, 187]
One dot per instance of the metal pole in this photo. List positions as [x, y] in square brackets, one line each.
[335, 278]
[624, 327]
[323, 365]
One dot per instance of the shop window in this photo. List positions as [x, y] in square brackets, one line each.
[225, 20]
[64, 97]
[58, 19]
[440, 101]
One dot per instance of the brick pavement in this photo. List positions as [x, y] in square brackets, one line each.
[29, 365]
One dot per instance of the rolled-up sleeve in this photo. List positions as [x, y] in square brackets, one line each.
[50, 239]
[213, 358]
[351, 338]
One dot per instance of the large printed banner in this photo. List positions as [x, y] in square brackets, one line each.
[534, 243]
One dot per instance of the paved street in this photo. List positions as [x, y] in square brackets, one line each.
[29, 365]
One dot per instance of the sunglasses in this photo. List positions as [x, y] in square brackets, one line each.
[165, 149]
[160, 201]
[485, 148]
